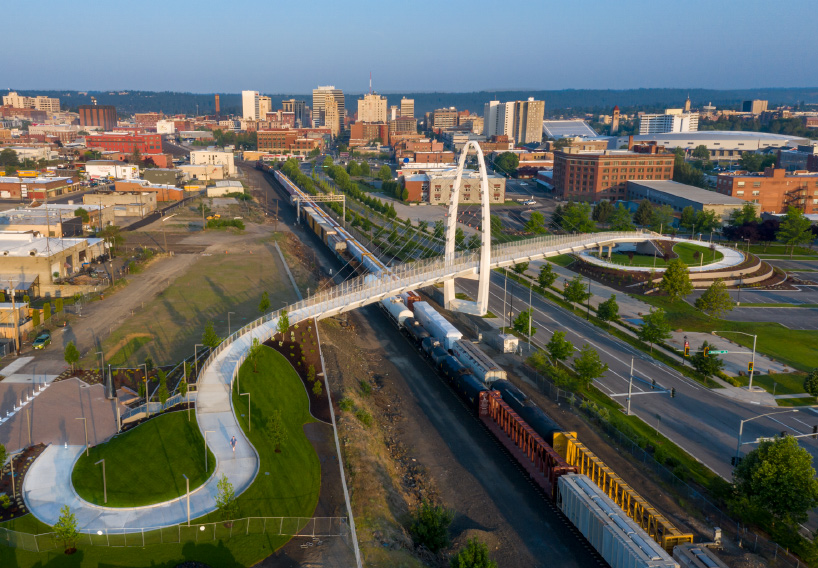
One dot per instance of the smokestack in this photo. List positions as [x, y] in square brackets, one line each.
[630, 142]
[217, 106]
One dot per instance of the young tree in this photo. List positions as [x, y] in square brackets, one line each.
[620, 219]
[47, 311]
[688, 219]
[264, 303]
[777, 479]
[701, 152]
[602, 211]
[353, 169]
[588, 366]
[67, 529]
[327, 161]
[82, 214]
[149, 365]
[507, 162]
[72, 354]
[439, 229]
[747, 214]
[276, 430]
[608, 310]
[520, 267]
[655, 328]
[662, 219]
[577, 217]
[226, 498]
[576, 291]
[559, 348]
[183, 386]
[676, 280]
[58, 305]
[366, 171]
[317, 388]
[521, 323]
[35, 318]
[311, 373]
[709, 365]
[496, 224]
[644, 214]
[113, 237]
[3, 454]
[547, 276]
[474, 555]
[209, 337]
[430, 526]
[795, 229]
[385, 173]
[163, 393]
[811, 382]
[535, 223]
[255, 351]
[715, 301]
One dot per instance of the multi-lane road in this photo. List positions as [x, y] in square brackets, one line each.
[700, 420]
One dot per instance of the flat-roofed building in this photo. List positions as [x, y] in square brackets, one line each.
[594, 176]
[724, 145]
[673, 120]
[680, 195]
[27, 189]
[126, 142]
[435, 187]
[96, 169]
[298, 108]
[365, 133]
[320, 98]
[372, 108]
[102, 117]
[211, 156]
[774, 190]
[32, 256]
[407, 107]
[123, 203]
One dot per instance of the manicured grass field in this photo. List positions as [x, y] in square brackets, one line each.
[684, 250]
[806, 401]
[562, 260]
[797, 348]
[290, 489]
[782, 383]
[145, 465]
[778, 249]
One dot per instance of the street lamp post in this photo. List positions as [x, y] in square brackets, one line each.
[85, 424]
[196, 359]
[104, 481]
[147, 396]
[11, 465]
[164, 235]
[102, 364]
[228, 322]
[206, 432]
[741, 425]
[187, 483]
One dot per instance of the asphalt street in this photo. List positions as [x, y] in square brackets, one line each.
[804, 295]
[698, 419]
[793, 318]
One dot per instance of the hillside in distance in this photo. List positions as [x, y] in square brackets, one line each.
[557, 103]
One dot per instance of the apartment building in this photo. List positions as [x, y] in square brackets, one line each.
[774, 190]
[249, 105]
[407, 107]
[594, 176]
[435, 187]
[372, 108]
[673, 120]
[754, 107]
[45, 104]
[520, 120]
[442, 118]
[298, 108]
[125, 142]
[366, 133]
[324, 97]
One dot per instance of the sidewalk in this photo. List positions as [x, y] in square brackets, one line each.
[47, 485]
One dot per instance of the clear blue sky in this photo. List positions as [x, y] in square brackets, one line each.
[291, 47]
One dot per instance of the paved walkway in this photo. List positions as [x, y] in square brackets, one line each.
[732, 257]
[47, 485]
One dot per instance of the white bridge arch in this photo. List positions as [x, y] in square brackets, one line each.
[480, 307]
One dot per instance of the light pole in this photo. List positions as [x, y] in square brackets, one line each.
[102, 364]
[228, 321]
[249, 421]
[741, 425]
[530, 314]
[164, 235]
[206, 432]
[85, 423]
[196, 359]
[11, 464]
[753, 361]
[187, 483]
[104, 481]
[147, 397]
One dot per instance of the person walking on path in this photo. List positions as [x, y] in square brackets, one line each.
[233, 443]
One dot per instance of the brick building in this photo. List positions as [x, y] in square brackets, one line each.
[126, 142]
[594, 176]
[775, 190]
[147, 118]
[36, 188]
[288, 140]
[363, 133]
[102, 116]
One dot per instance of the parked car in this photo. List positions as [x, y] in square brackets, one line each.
[42, 340]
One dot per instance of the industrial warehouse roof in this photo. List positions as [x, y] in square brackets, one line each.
[229, 183]
[567, 128]
[24, 244]
[718, 140]
[689, 192]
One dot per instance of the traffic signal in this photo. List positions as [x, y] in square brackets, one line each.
[750, 367]
[706, 351]
[735, 461]
[815, 431]
[673, 395]
[652, 384]
[687, 349]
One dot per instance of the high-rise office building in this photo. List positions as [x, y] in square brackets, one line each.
[265, 105]
[249, 105]
[319, 98]
[407, 107]
[102, 116]
[333, 117]
[754, 107]
[298, 108]
[372, 108]
[673, 120]
[526, 120]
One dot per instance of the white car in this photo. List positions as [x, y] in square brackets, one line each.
[529, 202]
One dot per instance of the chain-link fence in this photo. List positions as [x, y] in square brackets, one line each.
[713, 511]
[309, 527]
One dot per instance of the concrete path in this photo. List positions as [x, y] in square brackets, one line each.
[47, 485]
[732, 257]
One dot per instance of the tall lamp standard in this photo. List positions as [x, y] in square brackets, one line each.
[85, 424]
[228, 322]
[164, 235]
[187, 483]
[196, 359]
[741, 425]
[104, 481]
[753, 361]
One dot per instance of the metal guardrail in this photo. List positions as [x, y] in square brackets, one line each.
[309, 527]
[156, 407]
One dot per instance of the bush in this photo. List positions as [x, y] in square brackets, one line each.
[364, 416]
[366, 388]
[430, 526]
[317, 389]
[346, 404]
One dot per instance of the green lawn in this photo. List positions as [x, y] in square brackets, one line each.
[145, 465]
[781, 383]
[562, 260]
[168, 326]
[778, 249]
[807, 401]
[794, 347]
[684, 250]
[290, 489]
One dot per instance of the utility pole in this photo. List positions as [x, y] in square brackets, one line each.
[14, 312]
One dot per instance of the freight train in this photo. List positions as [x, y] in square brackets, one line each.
[520, 425]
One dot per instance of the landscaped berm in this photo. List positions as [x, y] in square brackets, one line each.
[287, 484]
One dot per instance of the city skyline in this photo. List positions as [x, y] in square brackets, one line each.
[630, 45]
